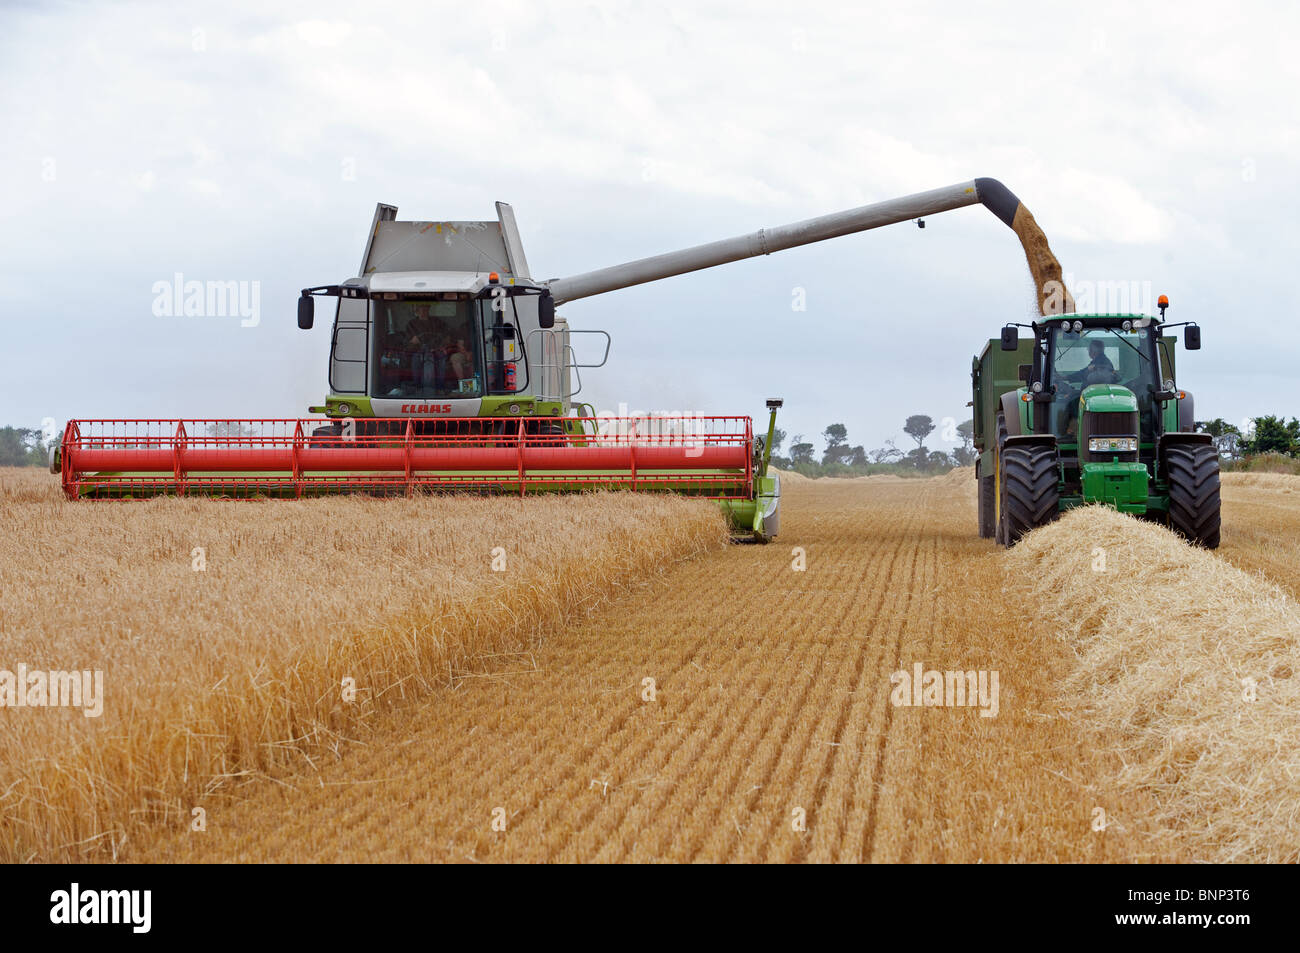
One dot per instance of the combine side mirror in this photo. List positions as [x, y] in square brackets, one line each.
[546, 310]
[1010, 338]
[1192, 338]
[306, 312]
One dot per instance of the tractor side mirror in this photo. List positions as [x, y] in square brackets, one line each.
[546, 310]
[306, 312]
[1023, 372]
[1010, 338]
[1192, 338]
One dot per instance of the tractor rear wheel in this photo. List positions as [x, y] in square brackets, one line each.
[1030, 494]
[1193, 474]
[987, 506]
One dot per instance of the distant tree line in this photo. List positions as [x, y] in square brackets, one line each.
[22, 447]
[1260, 443]
[840, 458]
[1262, 435]
[1267, 438]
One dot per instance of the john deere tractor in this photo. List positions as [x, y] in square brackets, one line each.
[1087, 410]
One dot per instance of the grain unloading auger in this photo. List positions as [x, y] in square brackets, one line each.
[450, 370]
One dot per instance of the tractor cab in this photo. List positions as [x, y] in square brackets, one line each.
[1101, 374]
[1102, 386]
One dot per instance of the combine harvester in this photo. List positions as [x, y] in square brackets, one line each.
[449, 370]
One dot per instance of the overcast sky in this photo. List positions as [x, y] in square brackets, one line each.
[250, 143]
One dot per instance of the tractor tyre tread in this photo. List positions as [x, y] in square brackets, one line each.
[1030, 492]
[1194, 506]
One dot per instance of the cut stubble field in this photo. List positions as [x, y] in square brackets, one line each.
[767, 733]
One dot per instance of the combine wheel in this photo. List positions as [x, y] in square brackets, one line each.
[329, 430]
[1029, 490]
[1193, 474]
[545, 425]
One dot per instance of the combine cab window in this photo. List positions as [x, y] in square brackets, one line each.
[426, 349]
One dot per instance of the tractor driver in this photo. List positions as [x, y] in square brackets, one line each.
[1098, 371]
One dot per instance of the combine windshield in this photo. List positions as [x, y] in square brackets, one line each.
[426, 349]
[1077, 359]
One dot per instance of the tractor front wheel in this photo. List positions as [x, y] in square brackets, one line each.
[1193, 474]
[1030, 494]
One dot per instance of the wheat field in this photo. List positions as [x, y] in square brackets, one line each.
[720, 703]
[225, 631]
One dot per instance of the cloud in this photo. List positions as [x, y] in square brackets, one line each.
[323, 33]
[1106, 208]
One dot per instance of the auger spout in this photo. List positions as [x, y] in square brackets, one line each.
[1000, 200]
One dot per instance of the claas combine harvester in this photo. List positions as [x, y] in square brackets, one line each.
[450, 370]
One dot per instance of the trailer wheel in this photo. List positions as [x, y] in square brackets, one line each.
[987, 504]
[999, 523]
[1193, 474]
[1030, 495]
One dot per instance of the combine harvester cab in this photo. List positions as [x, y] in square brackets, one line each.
[1087, 411]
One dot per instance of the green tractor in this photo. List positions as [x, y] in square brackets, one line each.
[1088, 411]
